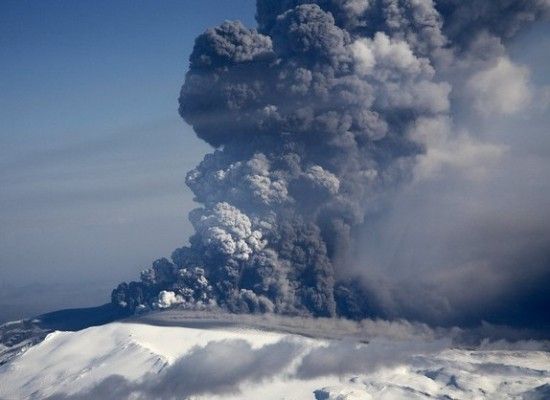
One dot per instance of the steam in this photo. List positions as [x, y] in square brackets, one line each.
[321, 119]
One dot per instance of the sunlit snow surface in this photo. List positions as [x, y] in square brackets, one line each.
[137, 360]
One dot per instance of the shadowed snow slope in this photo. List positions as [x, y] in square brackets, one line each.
[139, 361]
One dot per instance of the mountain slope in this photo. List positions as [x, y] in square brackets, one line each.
[123, 359]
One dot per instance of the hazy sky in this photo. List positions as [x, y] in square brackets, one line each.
[93, 154]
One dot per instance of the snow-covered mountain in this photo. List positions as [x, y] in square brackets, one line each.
[209, 360]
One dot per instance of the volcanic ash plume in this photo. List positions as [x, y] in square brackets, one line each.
[310, 116]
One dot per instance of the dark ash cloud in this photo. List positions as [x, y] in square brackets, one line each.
[504, 18]
[335, 121]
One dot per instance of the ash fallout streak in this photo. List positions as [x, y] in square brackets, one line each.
[317, 118]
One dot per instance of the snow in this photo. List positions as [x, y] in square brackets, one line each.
[75, 362]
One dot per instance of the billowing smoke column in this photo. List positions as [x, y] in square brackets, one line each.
[310, 116]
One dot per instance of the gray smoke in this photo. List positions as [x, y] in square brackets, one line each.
[501, 18]
[318, 117]
[217, 368]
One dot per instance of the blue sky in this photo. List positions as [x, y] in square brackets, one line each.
[93, 154]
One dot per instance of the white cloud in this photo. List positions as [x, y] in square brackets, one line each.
[167, 299]
[447, 150]
[227, 230]
[503, 88]
[387, 54]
